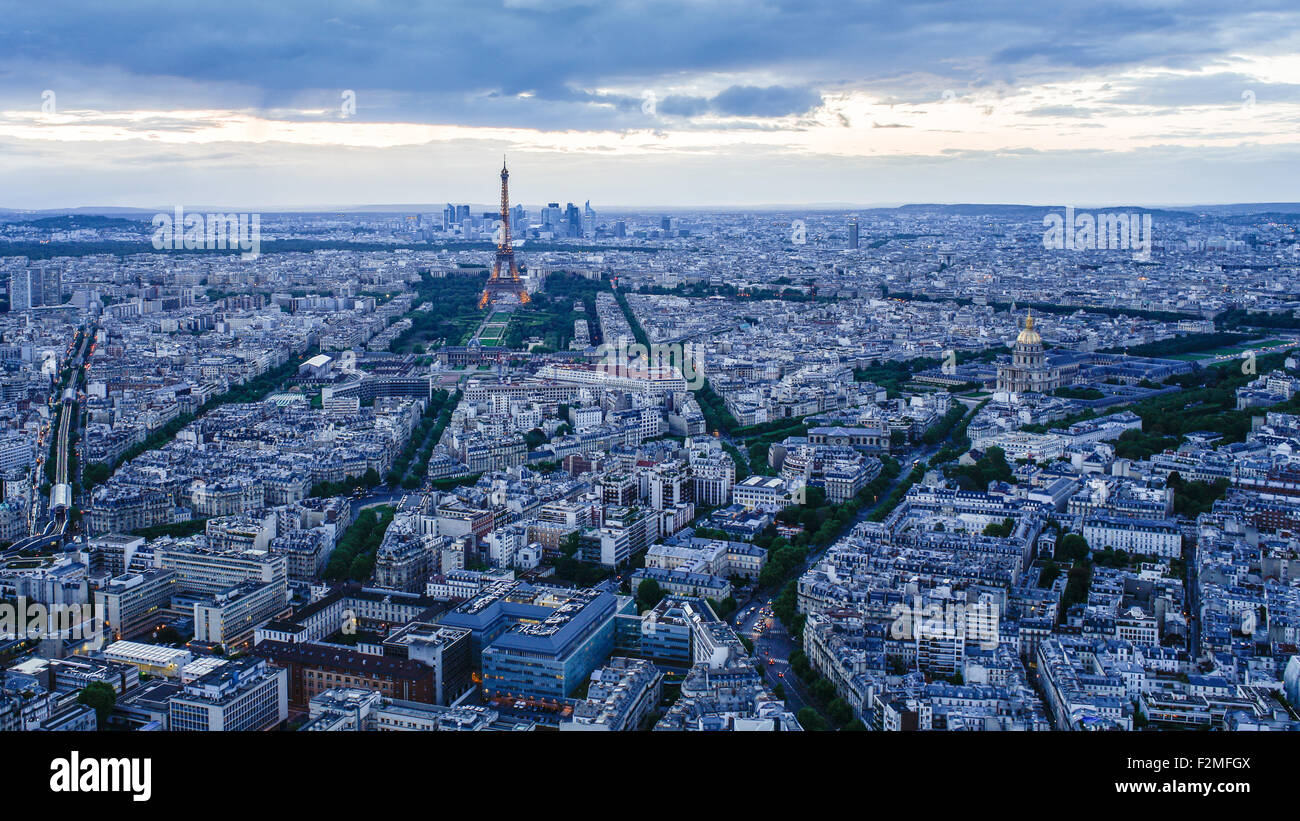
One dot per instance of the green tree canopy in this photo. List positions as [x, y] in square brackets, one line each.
[101, 697]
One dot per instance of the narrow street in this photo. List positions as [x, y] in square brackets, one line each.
[774, 645]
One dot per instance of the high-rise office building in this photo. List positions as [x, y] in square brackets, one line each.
[853, 234]
[132, 604]
[573, 220]
[52, 286]
[552, 216]
[26, 289]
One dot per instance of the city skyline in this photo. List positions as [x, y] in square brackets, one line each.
[538, 369]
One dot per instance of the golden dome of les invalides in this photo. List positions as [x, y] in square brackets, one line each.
[1029, 336]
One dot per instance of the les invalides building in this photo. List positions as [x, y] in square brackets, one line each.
[1028, 371]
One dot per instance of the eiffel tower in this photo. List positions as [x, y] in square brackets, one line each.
[505, 270]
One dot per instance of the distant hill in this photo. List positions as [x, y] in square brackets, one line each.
[1025, 212]
[1251, 208]
[73, 222]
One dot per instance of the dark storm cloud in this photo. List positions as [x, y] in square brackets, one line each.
[744, 101]
[773, 101]
[537, 63]
[681, 105]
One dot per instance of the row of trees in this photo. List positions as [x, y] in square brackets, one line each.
[774, 429]
[1076, 392]
[992, 466]
[454, 311]
[838, 714]
[704, 290]
[1240, 318]
[896, 495]
[550, 315]
[958, 442]
[1187, 343]
[343, 487]
[1208, 402]
[571, 567]
[411, 465]
[717, 416]
[251, 391]
[893, 374]
[1191, 499]
[822, 523]
[178, 530]
[943, 429]
[1043, 307]
[353, 558]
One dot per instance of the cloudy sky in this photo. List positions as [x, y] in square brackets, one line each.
[674, 102]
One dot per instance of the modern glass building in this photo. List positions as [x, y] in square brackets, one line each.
[669, 632]
[539, 642]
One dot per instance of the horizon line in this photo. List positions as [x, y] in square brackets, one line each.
[426, 207]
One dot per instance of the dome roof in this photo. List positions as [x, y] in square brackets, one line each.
[1029, 336]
